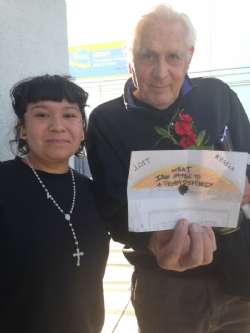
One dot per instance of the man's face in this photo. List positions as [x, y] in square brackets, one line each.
[160, 63]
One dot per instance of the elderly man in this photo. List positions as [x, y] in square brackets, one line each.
[177, 280]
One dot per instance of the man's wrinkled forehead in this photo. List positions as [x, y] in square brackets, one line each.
[172, 40]
[148, 31]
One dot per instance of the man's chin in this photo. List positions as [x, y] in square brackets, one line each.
[161, 105]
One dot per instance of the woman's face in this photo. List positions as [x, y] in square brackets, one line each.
[53, 132]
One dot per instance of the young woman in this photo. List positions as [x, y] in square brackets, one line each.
[53, 243]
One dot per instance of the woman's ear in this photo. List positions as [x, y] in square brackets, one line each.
[23, 134]
[84, 129]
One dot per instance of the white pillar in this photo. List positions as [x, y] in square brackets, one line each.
[33, 41]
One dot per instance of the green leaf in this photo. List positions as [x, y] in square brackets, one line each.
[203, 147]
[225, 231]
[200, 138]
[162, 132]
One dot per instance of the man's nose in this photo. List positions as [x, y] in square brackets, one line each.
[161, 69]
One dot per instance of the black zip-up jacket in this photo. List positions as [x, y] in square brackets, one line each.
[120, 126]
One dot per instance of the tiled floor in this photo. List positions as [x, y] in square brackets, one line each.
[119, 316]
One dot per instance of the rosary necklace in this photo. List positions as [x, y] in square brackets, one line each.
[67, 216]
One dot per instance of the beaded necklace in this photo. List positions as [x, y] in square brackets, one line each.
[67, 216]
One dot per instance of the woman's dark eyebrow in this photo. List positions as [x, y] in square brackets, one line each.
[37, 105]
[71, 107]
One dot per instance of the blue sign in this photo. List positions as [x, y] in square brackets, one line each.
[98, 60]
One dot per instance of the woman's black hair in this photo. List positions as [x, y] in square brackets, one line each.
[44, 88]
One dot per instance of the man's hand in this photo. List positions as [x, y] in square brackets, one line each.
[185, 247]
[246, 195]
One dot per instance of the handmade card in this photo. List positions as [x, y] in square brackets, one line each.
[203, 186]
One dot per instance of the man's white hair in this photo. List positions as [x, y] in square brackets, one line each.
[165, 13]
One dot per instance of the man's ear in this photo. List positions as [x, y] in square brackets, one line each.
[133, 75]
[130, 68]
[190, 54]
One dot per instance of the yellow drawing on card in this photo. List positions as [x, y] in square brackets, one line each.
[193, 176]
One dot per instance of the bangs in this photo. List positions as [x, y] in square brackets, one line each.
[46, 88]
[52, 90]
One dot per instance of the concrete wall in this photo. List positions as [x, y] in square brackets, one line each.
[33, 41]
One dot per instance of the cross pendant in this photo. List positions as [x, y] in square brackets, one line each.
[78, 254]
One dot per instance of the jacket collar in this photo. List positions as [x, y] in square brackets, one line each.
[130, 101]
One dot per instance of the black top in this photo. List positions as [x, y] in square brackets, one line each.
[42, 289]
[123, 125]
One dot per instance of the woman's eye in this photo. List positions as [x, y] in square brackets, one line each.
[70, 115]
[41, 115]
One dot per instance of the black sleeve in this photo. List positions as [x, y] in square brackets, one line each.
[239, 127]
[110, 180]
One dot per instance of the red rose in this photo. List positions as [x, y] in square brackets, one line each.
[183, 132]
[187, 141]
[185, 117]
[183, 128]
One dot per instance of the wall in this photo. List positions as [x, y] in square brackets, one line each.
[33, 41]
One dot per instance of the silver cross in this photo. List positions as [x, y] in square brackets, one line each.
[78, 254]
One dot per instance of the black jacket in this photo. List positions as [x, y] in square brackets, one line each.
[123, 125]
